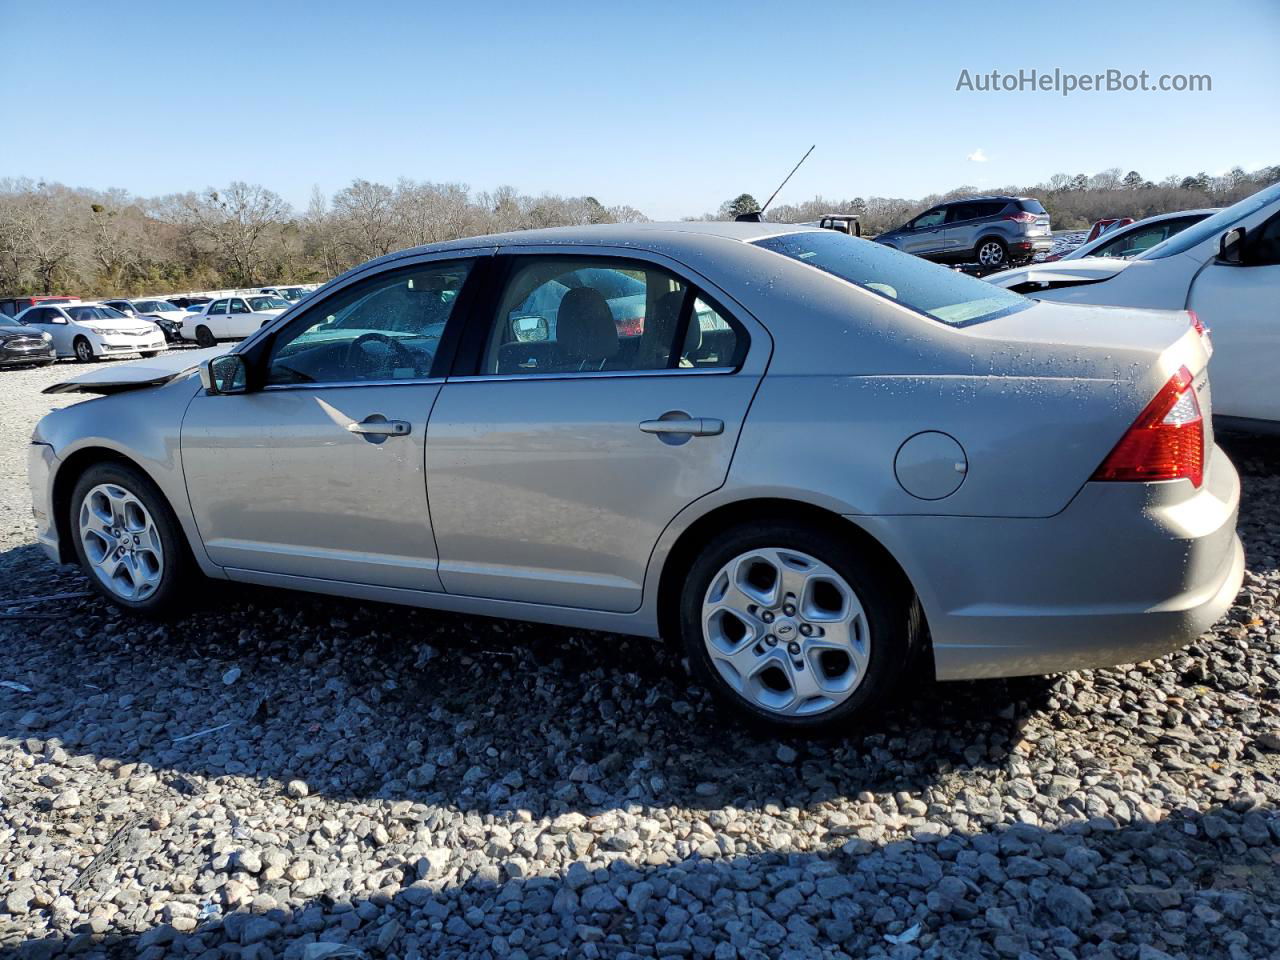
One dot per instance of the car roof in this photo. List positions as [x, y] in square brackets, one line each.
[694, 235]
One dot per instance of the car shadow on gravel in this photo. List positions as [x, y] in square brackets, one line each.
[1190, 885]
[363, 701]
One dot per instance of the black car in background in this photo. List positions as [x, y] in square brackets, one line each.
[22, 346]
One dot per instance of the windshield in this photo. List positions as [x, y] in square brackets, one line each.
[80, 314]
[946, 295]
[153, 306]
[266, 303]
[1220, 222]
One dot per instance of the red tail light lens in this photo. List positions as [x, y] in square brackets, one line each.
[1197, 323]
[1166, 442]
[1021, 217]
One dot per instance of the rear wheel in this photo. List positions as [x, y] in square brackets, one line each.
[83, 350]
[205, 337]
[797, 629]
[992, 253]
[128, 540]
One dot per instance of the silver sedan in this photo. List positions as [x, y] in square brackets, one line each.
[821, 464]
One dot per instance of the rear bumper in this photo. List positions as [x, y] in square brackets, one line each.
[1125, 573]
[1031, 245]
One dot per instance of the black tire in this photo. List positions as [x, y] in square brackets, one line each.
[893, 617]
[179, 567]
[996, 252]
[83, 350]
[205, 337]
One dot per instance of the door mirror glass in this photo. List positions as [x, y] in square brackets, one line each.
[530, 329]
[1231, 247]
[226, 374]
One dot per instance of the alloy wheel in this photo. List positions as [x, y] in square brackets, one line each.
[84, 352]
[121, 542]
[990, 254]
[786, 631]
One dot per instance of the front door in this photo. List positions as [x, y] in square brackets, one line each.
[600, 397]
[927, 233]
[318, 471]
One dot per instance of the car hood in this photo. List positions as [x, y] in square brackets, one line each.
[136, 374]
[1060, 273]
[23, 333]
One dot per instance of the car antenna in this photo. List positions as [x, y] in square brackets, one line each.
[757, 216]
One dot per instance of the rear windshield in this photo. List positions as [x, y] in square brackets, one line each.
[946, 295]
[1032, 206]
[1220, 222]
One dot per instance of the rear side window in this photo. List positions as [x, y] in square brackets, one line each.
[1032, 206]
[945, 295]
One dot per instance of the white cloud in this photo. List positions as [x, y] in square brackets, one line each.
[978, 156]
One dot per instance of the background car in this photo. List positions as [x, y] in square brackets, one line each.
[21, 346]
[12, 306]
[878, 468]
[1226, 268]
[989, 231]
[167, 316]
[291, 294]
[186, 303]
[89, 330]
[231, 318]
[1134, 238]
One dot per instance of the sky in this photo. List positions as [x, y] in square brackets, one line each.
[669, 107]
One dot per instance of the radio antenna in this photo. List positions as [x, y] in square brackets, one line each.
[784, 182]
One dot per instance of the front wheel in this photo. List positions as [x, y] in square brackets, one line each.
[797, 629]
[83, 350]
[128, 540]
[992, 253]
[205, 337]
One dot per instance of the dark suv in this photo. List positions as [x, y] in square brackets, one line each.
[989, 231]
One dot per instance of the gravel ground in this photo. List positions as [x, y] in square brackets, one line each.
[279, 774]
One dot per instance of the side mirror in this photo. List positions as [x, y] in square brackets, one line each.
[1231, 247]
[225, 374]
[61, 320]
[530, 329]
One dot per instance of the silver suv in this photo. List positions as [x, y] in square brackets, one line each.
[989, 231]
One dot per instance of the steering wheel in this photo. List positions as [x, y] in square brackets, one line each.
[357, 358]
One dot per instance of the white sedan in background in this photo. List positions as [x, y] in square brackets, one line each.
[93, 330]
[231, 318]
[167, 316]
[1226, 269]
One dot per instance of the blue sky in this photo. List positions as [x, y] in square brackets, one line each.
[671, 107]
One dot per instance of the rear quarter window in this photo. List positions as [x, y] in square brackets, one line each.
[1032, 206]
[947, 296]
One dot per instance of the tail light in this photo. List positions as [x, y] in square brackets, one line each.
[1021, 217]
[1197, 323]
[1166, 442]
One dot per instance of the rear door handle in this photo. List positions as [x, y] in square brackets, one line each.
[685, 426]
[379, 426]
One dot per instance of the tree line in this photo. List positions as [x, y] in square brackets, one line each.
[1073, 201]
[60, 239]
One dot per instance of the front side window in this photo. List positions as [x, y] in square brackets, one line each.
[945, 295]
[933, 218]
[565, 315]
[387, 327]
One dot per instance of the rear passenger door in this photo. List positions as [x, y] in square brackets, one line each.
[593, 398]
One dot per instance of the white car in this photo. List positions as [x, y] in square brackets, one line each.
[1135, 239]
[231, 318]
[168, 316]
[1225, 269]
[93, 330]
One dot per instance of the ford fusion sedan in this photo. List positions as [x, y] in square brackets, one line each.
[231, 318]
[821, 465]
[1225, 268]
[88, 331]
[22, 346]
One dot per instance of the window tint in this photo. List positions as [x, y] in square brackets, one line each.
[95, 313]
[1032, 206]
[387, 327]
[1141, 240]
[962, 211]
[268, 303]
[570, 315]
[945, 295]
[1264, 247]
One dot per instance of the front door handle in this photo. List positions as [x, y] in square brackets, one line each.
[679, 427]
[377, 428]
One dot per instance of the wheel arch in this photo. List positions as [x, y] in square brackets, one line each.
[680, 557]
